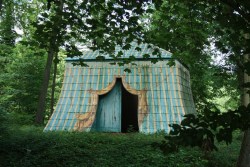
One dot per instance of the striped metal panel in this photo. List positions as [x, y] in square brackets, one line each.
[167, 88]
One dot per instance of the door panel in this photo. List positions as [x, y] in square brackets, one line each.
[108, 115]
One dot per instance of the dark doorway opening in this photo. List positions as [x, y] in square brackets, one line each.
[129, 111]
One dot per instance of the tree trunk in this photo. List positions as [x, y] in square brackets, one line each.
[53, 84]
[244, 157]
[53, 48]
[44, 88]
[1, 5]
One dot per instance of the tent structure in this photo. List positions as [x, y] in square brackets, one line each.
[104, 97]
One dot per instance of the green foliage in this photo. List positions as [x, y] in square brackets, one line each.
[203, 129]
[29, 146]
[225, 103]
[3, 125]
[27, 12]
[99, 25]
[227, 154]
[232, 37]
[186, 31]
[25, 70]
[15, 119]
[187, 28]
[187, 157]
[8, 35]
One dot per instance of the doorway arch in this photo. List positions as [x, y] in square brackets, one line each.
[85, 121]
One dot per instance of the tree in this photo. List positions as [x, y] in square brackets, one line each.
[21, 80]
[227, 22]
[52, 48]
[7, 37]
[7, 33]
[18, 62]
[186, 32]
[102, 24]
[234, 18]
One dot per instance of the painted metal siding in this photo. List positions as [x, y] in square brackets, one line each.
[168, 94]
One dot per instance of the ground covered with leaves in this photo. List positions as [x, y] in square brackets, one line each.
[30, 146]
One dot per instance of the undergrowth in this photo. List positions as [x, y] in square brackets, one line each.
[28, 145]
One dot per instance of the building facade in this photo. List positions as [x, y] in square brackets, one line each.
[105, 97]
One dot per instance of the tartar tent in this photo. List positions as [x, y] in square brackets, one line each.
[104, 97]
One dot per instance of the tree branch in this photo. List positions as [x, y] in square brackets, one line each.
[237, 7]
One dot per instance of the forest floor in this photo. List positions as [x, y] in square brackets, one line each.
[25, 146]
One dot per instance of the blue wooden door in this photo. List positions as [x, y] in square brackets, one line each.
[108, 115]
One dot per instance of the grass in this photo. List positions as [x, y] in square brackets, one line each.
[29, 146]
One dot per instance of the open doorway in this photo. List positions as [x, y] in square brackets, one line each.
[129, 111]
[117, 111]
